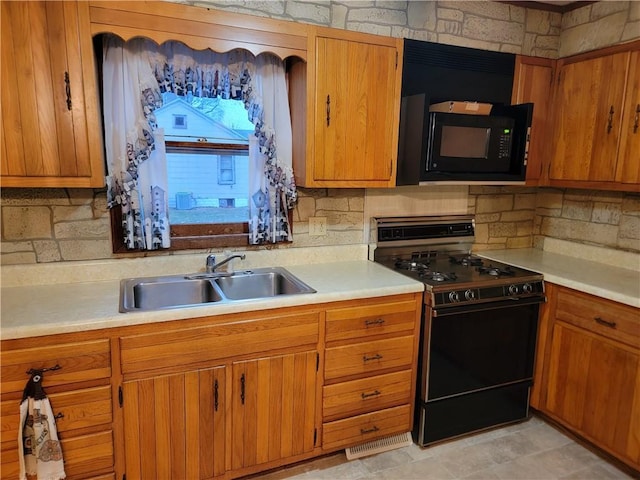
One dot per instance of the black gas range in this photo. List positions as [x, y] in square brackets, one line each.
[436, 251]
[479, 326]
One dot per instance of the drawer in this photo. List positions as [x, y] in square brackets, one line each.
[202, 344]
[368, 357]
[79, 361]
[364, 428]
[603, 317]
[83, 455]
[376, 319]
[366, 395]
[88, 407]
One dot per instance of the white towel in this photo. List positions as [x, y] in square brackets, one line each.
[39, 447]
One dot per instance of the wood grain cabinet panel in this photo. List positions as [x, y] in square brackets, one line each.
[352, 83]
[79, 393]
[273, 408]
[369, 370]
[368, 357]
[592, 379]
[51, 133]
[174, 425]
[533, 83]
[595, 141]
[364, 428]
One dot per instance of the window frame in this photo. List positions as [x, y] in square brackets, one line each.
[191, 236]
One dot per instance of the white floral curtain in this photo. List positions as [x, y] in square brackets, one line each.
[136, 160]
[173, 67]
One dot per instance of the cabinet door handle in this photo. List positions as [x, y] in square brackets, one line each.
[366, 359]
[610, 121]
[328, 110]
[215, 395]
[636, 119]
[67, 86]
[242, 389]
[604, 322]
[377, 321]
[364, 396]
[373, 429]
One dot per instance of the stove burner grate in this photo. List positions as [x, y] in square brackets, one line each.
[496, 271]
[411, 265]
[466, 260]
[438, 276]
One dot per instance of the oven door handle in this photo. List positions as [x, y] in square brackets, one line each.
[479, 307]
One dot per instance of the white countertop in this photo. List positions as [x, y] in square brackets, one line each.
[34, 310]
[597, 278]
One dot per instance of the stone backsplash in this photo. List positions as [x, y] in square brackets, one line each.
[52, 225]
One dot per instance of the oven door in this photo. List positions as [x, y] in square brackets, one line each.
[476, 367]
[473, 348]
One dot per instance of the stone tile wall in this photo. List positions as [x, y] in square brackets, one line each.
[50, 225]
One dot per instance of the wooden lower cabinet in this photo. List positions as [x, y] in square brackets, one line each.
[591, 381]
[369, 370]
[273, 413]
[80, 396]
[223, 396]
[174, 425]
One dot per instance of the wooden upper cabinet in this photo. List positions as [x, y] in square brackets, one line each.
[354, 100]
[533, 84]
[593, 142]
[629, 155]
[50, 119]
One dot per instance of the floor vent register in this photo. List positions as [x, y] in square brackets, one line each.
[379, 446]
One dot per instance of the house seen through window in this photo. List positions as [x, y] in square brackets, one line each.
[207, 159]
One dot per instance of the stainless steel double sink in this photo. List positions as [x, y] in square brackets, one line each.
[174, 291]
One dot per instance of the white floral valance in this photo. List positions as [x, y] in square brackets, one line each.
[172, 67]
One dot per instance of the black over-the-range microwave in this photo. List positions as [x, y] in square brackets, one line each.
[490, 148]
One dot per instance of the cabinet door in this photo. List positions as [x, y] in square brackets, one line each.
[587, 123]
[50, 125]
[273, 408]
[592, 386]
[532, 84]
[356, 125]
[174, 426]
[629, 155]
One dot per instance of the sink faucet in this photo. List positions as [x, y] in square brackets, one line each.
[212, 265]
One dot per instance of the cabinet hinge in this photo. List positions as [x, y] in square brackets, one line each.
[315, 436]
[317, 361]
[120, 397]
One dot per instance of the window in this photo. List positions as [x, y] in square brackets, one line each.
[179, 121]
[207, 169]
[226, 170]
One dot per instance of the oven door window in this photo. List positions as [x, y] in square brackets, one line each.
[476, 350]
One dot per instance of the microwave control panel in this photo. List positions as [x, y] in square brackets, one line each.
[504, 143]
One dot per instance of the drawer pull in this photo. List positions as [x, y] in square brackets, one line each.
[373, 429]
[58, 415]
[375, 393]
[366, 359]
[31, 371]
[377, 321]
[604, 322]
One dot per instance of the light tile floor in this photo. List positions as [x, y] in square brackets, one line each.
[528, 450]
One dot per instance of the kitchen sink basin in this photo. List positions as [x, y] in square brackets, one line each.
[174, 291]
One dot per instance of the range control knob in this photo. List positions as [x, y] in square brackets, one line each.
[527, 288]
[454, 297]
[469, 294]
[513, 289]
